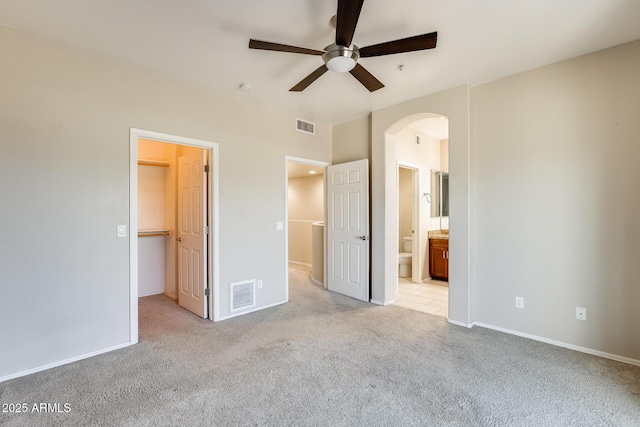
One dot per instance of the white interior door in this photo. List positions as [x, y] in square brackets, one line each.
[192, 235]
[348, 229]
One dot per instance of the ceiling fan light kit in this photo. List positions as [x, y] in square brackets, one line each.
[339, 58]
[342, 56]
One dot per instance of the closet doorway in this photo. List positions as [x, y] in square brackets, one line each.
[174, 221]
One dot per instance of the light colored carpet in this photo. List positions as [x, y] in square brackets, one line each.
[328, 360]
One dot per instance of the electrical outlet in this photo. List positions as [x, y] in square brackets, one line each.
[122, 231]
[519, 302]
[279, 225]
[259, 283]
[581, 313]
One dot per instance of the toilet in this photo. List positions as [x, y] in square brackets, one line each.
[404, 258]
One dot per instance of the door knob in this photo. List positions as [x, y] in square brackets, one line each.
[179, 239]
[362, 237]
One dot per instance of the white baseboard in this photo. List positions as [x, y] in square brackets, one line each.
[382, 303]
[300, 263]
[464, 325]
[317, 282]
[148, 294]
[251, 311]
[562, 344]
[63, 362]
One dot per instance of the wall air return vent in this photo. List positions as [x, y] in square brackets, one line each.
[306, 127]
[242, 294]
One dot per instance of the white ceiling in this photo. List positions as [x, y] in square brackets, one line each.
[206, 42]
[437, 127]
[300, 170]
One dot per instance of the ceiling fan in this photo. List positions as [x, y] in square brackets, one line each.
[342, 56]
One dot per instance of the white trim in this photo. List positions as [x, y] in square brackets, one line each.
[214, 228]
[148, 294]
[63, 362]
[252, 310]
[133, 236]
[293, 159]
[464, 325]
[317, 282]
[300, 263]
[417, 256]
[384, 304]
[214, 232]
[561, 344]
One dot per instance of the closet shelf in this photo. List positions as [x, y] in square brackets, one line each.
[150, 233]
[142, 162]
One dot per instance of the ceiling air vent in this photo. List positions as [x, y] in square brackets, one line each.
[306, 127]
[242, 294]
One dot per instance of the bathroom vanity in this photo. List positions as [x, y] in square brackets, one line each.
[439, 258]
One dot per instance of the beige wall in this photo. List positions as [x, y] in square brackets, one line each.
[352, 140]
[556, 201]
[65, 119]
[306, 198]
[153, 182]
[306, 206]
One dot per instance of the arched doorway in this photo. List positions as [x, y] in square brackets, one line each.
[386, 123]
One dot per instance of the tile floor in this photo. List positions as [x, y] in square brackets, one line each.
[431, 297]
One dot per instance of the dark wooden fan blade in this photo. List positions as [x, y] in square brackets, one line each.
[309, 79]
[366, 78]
[410, 44]
[258, 44]
[347, 19]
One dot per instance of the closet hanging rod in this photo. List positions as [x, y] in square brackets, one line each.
[153, 163]
[151, 233]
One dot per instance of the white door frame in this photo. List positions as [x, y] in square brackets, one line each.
[213, 209]
[311, 162]
[416, 262]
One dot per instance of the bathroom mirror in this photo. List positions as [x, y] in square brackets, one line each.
[439, 193]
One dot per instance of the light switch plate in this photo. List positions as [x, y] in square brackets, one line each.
[122, 231]
[279, 225]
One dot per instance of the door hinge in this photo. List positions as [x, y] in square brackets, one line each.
[206, 229]
[206, 168]
[206, 292]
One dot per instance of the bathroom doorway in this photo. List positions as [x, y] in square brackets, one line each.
[304, 219]
[422, 231]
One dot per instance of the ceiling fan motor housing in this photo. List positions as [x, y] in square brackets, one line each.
[340, 58]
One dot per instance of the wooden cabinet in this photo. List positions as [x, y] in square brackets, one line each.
[439, 259]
